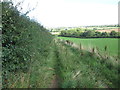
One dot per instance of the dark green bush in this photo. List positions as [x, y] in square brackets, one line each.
[21, 38]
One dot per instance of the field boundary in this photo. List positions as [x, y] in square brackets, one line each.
[112, 59]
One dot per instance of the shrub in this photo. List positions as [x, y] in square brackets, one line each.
[21, 38]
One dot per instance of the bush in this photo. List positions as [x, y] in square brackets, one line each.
[89, 34]
[21, 38]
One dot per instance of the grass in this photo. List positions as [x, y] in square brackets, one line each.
[111, 43]
[84, 70]
[73, 68]
[39, 74]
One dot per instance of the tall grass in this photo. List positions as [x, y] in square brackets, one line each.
[85, 70]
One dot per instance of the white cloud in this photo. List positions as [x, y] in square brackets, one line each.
[55, 13]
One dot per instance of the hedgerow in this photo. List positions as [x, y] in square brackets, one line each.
[21, 37]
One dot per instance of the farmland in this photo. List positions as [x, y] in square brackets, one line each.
[34, 58]
[111, 43]
[108, 30]
[103, 28]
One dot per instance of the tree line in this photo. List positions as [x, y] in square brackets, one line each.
[89, 34]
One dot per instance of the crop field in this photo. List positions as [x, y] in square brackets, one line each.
[108, 30]
[111, 43]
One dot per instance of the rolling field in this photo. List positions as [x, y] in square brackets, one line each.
[111, 43]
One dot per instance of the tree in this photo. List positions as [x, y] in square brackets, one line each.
[89, 33]
[104, 34]
[97, 34]
[113, 34]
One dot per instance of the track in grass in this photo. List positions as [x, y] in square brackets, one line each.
[63, 66]
[85, 70]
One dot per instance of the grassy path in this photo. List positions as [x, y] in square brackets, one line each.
[63, 66]
[81, 69]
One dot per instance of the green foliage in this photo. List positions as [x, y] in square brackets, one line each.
[21, 38]
[27, 55]
[79, 69]
[114, 34]
[104, 34]
[89, 34]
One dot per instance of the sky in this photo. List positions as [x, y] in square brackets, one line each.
[72, 13]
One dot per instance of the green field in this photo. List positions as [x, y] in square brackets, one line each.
[111, 43]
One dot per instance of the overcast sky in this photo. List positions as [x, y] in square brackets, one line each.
[68, 13]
